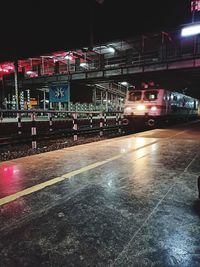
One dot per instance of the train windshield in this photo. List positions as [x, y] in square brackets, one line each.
[134, 95]
[150, 95]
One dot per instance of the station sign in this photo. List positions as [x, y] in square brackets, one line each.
[59, 93]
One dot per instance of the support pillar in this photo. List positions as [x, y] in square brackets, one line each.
[16, 84]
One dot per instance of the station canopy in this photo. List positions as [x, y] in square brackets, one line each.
[48, 61]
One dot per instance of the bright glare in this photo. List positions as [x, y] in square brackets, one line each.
[141, 107]
[154, 108]
[111, 50]
[191, 30]
[83, 64]
[124, 83]
[68, 57]
[128, 109]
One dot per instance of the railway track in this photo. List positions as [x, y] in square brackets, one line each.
[60, 133]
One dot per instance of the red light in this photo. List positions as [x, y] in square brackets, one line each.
[10, 179]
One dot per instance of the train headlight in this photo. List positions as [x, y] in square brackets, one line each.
[154, 108]
[141, 107]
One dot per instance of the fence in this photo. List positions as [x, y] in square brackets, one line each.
[37, 123]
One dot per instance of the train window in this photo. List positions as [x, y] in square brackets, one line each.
[175, 98]
[134, 96]
[150, 95]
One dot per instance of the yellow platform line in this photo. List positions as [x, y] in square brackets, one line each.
[56, 180]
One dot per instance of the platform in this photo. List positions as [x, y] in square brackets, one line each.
[127, 201]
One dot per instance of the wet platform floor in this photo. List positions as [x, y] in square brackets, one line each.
[128, 201]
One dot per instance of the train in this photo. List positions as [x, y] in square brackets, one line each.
[150, 106]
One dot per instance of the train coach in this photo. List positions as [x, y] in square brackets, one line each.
[153, 105]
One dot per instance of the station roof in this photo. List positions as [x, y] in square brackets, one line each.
[63, 57]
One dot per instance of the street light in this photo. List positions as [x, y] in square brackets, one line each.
[190, 30]
[194, 28]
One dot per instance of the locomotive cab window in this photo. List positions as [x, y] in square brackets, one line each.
[134, 96]
[150, 95]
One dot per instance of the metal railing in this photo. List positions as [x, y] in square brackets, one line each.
[156, 48]
[75, 123]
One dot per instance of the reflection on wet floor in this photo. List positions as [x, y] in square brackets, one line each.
[129, 201]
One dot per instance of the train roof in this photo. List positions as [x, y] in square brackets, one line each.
[161, 88]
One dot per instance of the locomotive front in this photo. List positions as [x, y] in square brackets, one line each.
[143, 106]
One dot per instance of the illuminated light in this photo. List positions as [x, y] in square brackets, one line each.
[110, 183]
[3, 70]
[111, 50]
[141, 107]
[191, 30]
[124, 83]
[140, 142]
[29, 72]
[128, 109]
[154, 108]
[84, 65]
[68, 57]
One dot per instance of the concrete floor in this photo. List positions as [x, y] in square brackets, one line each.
[129, 201]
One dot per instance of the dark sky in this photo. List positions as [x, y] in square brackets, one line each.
[30, 28]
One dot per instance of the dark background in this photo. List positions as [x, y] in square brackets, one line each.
[32, 28]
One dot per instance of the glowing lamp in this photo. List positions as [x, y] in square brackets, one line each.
[154, 108]
[124, 83]
[141, 107]
[190, 30]
[128, 109]
[68, 57]
[84, 65]
[111, 50]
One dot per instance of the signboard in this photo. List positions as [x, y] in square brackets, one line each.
[59, 93]
[195, 5]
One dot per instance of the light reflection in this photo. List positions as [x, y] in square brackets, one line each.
[140, 153]
[177, 245]
[10, 179]
[110, 183]
[123, 150]
[140, 141]
[154, 147]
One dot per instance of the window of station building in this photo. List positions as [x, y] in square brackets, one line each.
[134, 95]
[150, 95]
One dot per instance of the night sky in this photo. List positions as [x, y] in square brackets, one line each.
[32, 28]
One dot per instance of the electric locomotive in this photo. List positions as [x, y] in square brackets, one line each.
[153, 105]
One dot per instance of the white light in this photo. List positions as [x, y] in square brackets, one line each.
[191, 30]
[83, 64]
[68, 57]
[29, 72]
[141, 107]
[154, 108]
[124, 83]
[111, 50]
[128, 109]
